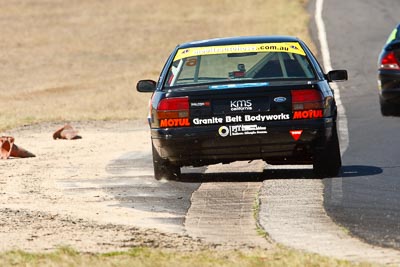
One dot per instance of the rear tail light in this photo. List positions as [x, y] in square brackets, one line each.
[307, 104]
[389, 61]
[306, 99]
[173, 112]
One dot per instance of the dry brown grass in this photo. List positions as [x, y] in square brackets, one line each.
[80, 60]
[143, 257]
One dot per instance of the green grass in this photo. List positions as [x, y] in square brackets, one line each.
[256, 212]
[154, 257]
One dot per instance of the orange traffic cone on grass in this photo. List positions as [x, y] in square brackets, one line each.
[7, 143]
[66, 132]
[10, 149]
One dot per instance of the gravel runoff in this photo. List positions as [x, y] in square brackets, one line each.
[55, 198]
[36, 231]
[38, 213]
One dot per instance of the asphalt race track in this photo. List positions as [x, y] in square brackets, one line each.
[366, 198]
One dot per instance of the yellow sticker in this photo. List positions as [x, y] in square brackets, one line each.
[290, 47]
[392, 36]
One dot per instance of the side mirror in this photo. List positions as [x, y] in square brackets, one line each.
[337, 75]
[146, 86]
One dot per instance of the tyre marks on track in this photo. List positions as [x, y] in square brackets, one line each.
[222, 212]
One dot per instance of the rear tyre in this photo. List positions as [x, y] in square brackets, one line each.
[163, 169]
[327, 162]
[388, 109]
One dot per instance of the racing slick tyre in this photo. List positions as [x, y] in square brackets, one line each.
[388, 109]
[327, 162]
[163, 169]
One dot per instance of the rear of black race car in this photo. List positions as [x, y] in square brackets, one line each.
[281, 124]
[243, 98]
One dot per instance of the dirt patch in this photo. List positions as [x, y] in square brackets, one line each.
[40, 231]
[44, 205]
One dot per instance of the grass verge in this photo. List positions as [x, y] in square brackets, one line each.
[153, 257]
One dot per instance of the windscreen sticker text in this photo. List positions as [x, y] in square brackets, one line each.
[240, 118]
[235, 130]
[288, 47]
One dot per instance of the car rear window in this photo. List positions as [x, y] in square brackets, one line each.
[267, 61]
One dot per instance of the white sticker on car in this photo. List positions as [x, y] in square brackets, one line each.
[236, 130]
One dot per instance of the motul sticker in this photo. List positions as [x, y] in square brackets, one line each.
[184, 122]
[296, 134]
[308, 114]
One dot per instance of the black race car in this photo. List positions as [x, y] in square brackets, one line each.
[389, 75]
[243, 98]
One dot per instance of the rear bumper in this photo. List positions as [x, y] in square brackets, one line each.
[199, 146]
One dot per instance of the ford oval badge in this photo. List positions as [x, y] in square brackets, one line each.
[279, 99]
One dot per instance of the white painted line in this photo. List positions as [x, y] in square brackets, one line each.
[337, 192]
[326, 58]
[337, 186]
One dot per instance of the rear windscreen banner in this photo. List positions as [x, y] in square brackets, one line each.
[288, 47]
